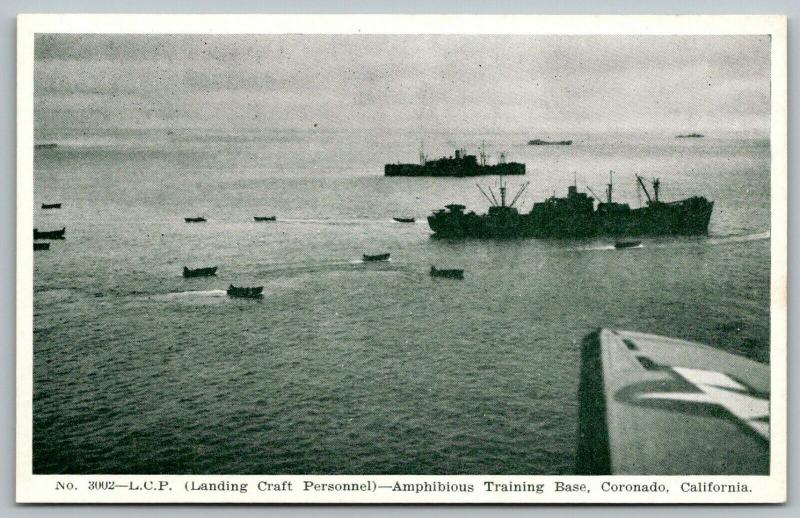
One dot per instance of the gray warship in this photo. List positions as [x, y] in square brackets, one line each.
[574, 216]
[460, 164]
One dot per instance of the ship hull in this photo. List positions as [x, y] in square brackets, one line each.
[453, 169]
[685, 217]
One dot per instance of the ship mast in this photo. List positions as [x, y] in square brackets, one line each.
[498, 201]
[422, 158]
[610, 185]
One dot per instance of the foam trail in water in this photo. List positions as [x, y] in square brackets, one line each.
[759, 236]
[601, 247]
[195, 294]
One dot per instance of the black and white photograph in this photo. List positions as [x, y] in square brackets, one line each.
[375, 262]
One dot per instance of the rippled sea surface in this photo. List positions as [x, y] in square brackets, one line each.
[347, 367]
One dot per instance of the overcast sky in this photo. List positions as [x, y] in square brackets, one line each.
[426, 83]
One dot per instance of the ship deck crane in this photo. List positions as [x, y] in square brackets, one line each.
[522, 189]
[593, 193]
[644, 188]
[492, 200]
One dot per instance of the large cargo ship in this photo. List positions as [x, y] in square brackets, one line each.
[460, 164]
[575, 216]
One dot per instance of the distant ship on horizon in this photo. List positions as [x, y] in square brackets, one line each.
[540, 142]
[460, 164]
[690, 135]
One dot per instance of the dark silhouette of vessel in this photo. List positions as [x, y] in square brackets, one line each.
[404, 220]
[49, 234]
[245, 293]
[690, 135]
[627, 244]
[199, 272]
[195, 220]
[51, 205]
[574, 217]
[264, 218]
[41, 246]
[540, 142]
[376, 257]
[461, 164]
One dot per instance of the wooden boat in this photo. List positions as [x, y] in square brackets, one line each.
[199, 272]
[627, 244]
[377, 257]
[51, 205]
[450, 274]
[49, 234]
[41, 246]
[195, 220]
[264, 218]
[48, 145]
[245, 293]
[404, 220]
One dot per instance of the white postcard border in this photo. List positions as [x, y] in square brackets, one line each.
[46, 488]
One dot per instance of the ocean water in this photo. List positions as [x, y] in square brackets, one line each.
[347, 367]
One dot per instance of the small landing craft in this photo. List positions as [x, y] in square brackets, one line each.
[651, 405]
[41, 246]
[627, 244]
[51, 205]
[404, 220]
[264, 218]
[376, 257]
[195, 220]
[245, 293]
[199, 272]
[49, 234]
[448, 274]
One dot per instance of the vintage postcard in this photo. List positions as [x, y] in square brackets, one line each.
[401, 259]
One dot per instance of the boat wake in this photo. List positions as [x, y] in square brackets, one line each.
[349, 222]
[329, 221]
[719, 240]
[285, 270]
[710, 240]
[204, 294]
[601, 247]
[610, 247]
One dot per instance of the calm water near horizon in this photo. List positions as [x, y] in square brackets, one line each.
[346, 367]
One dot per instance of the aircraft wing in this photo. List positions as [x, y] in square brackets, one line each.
[651, 405]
